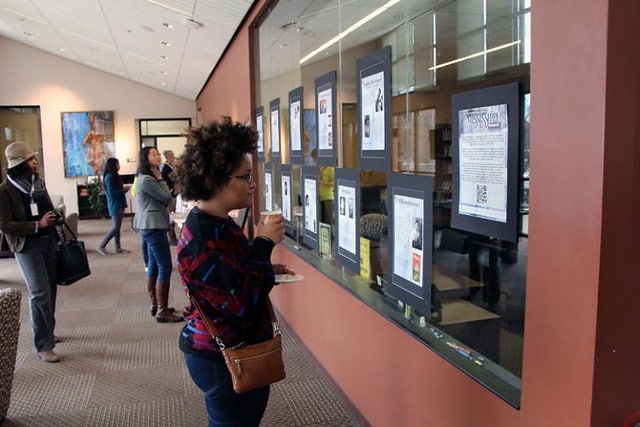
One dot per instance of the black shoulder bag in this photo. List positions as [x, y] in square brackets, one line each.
[71, 257]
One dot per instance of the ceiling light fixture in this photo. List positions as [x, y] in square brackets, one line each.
[164, 57]
[167, 25]
[157, 3]
[192, 23]
[474, 55]
[351, 29]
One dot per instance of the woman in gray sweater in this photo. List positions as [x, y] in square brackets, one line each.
[152, 219]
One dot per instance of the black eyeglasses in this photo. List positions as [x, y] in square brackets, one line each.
[248, 177]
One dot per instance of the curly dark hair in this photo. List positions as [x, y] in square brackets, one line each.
[213, 152]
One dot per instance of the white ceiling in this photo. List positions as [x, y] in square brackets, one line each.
[152, 42]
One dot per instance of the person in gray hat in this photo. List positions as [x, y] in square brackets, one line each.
[27, 219]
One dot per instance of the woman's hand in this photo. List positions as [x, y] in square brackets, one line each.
[47, 220]
[274, 230]
[282, 269]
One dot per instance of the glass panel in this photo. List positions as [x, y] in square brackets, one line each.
[438, 49]
[164, 127]
[20, 124]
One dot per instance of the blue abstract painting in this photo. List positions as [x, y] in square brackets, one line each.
[88, 141]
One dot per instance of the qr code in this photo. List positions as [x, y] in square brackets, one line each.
[481, 194]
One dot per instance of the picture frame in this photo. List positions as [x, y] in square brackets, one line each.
[88, 140]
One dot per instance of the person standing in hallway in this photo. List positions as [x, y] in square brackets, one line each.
[27, 220]
[168, 174]
[229, 276]
[117, 203]
[152, 219]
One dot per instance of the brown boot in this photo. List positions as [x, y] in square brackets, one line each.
[151, 289]
[165, 314]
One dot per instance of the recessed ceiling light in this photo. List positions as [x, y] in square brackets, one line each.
[164, 57]
[164, 73]
[62, 49]
[130, 32]
[166, 44]
[28, 34]
[167, 25]
[163, 84]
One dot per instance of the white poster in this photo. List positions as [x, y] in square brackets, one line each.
[325, 133]
[294, 126]
[275, 131]
[408, 238]
[268, 200]
[346, 218]
[373, 112]
[260, 133]
[310, 209]
[286, 197]
[483, 154]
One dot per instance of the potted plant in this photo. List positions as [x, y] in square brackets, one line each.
[96, 199]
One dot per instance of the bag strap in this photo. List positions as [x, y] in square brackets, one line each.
[64, 222]
[214, 332]
[63, 234]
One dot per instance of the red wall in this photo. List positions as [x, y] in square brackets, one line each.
[228, 91]
[582, 288]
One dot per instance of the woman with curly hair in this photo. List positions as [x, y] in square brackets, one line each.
[229, 276]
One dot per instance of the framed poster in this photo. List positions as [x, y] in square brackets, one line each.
[274, 108]
[287, 190]
[310, 203]
[347, 214]
[374, 110]
[410, 206]
[260, 130]
[485, 130]
[325, 87]
[296, 125]
[268, 186]
[88, 141]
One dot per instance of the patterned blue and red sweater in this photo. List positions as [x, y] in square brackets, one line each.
[230, 277]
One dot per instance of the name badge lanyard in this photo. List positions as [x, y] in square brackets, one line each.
[32, 205]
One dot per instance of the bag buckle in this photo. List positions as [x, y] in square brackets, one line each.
[221, 345]
[276, 328]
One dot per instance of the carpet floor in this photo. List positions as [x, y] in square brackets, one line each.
[121, 368]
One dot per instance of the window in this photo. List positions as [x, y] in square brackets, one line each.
[438, 49]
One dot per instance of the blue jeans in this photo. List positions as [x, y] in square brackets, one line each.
[114, 232]
[159, 263]
[224, 407]
[37, 264]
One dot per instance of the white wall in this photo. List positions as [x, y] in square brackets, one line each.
[32, 77]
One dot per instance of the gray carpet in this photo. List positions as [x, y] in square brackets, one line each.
[121, 368]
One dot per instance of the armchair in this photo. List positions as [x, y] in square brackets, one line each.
[9, 328]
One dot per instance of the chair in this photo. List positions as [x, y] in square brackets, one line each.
[9, 328]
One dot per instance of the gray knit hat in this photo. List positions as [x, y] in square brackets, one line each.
[18, 152]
